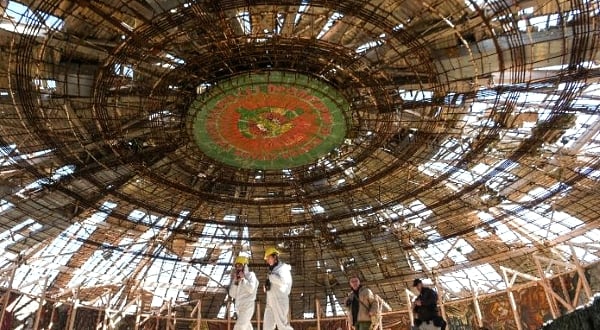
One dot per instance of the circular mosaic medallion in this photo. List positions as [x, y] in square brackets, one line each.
[271, 120]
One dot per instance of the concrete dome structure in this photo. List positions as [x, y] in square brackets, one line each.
[145, 144]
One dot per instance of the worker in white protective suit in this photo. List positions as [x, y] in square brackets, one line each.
[244, 285]
[277, 286]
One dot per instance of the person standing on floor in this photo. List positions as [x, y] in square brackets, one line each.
[278, 287]
[362, 305]
[425, 306]
[243, 289]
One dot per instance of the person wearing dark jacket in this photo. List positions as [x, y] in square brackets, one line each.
[425, 306]
[362, 306]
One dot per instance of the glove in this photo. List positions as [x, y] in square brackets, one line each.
[267, 285]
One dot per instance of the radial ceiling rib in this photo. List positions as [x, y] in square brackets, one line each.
[145, 144]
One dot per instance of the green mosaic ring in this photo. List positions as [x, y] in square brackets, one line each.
[271, 120]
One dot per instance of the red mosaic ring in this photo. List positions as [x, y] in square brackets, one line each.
[270, 120]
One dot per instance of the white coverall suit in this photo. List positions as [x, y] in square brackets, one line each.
[278, 301]
[244, 294]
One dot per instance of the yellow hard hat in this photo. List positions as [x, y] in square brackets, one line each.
[271, 250]
[241, 260]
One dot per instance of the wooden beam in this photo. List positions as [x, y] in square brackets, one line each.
[138, 309]
[475, 292]
[228, 314]
[38, 314]
[8, 292]
[511, 298]
[169, 325]
[565, 292]
[73, 313]
[318, 312]
[581, 272]
[546, 285]
[558, 297]
[411, 316]
[51, 325]
[257, 315]
[566, 302]
[99, 319]
[497, 258]
[577, 293]
[198, 310]
[551, 262]
[441, 294]
[518, 273]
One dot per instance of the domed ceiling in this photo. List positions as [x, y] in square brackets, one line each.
[147, 143]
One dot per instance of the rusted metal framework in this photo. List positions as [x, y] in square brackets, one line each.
[471, 149]
[188, 315]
